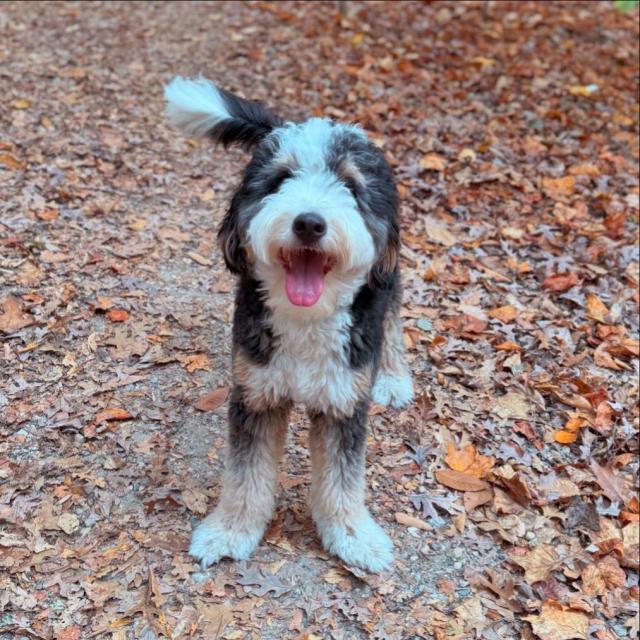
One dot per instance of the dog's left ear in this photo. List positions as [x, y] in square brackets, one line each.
[387, 263]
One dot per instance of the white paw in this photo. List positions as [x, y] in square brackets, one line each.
[212, 539]
[392, 391]
[363, 544]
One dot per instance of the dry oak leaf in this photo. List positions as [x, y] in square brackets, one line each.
[556, 622]
[615, 487]
[596, 309]
[561, 281]
[195, 362]
[460, 481]
[438, 232]
[212, 400]
[13, 317]
[469, 461]
[410, 521]
[631, 546]
[118, 315]
[433, 162]
[538, 563]
[11, 162]
[112, 413]
[559, 188]
[505, 314]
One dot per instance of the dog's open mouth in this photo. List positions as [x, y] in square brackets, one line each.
[305, 271]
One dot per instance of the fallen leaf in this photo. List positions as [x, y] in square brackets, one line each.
[21, 103]
[195, 501]
[213, 399]
[196, 362]
[409, 521]
[13, 318]
[615, 487]
[505, 314]
[538, 563]
[561, 281]
[565, 437]
[559, 188]
[118, 315]
[556, 622]
[69, 523]
[469, 461]
[596, 309]
[196, 257]
[460, 481]
[11, 162]
[438, 232]
[113, 413]
[433, 162]
[48, 214]
[511, 405]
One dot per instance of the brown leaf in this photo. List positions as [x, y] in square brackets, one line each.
[69, 633]
[556, 622]
[538, 563]
[559, 188]
[474, 499]
[48, 215]
[54, 257]
[195, 501]
[195, 362]
[469, 461]
[213, 399]
[615, 487]
[438, 232]
[113, 413]
[460, 481]
[409, 521]
[13, 318]
[596, 309]
[631, 546]
[118, 315]
[200, 259]
[10, 161]
[433, 162]
[561, 281]
[505, 314]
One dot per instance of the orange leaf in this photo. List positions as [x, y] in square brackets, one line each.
[559, 188]
[508, 346]
[565, 437]
[469, 461]
[118, 315]
[212, 400]
[575, 423]
[195, 362]
[504, 314]
[11, 161]
[596, 309]
[561, 282]
[112, 413]
[557, 622]
[460, 481]
[433, 162]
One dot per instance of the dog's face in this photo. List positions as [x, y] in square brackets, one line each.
[316, 213]
[314, 217]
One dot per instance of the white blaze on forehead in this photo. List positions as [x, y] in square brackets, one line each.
[310, 142]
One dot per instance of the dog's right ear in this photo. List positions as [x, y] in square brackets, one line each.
[230, 238]
[200, 109]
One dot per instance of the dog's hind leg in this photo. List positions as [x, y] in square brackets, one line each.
[337, 491]
[256, 443]
[393, 386]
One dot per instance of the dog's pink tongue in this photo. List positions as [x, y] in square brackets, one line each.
[305, 278]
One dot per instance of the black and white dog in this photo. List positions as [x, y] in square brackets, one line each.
[312, 233]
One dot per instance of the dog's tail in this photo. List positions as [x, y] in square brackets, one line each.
[200, 109]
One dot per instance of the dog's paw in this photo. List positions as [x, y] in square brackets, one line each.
[363, 544]
[212, 540]
[392, 391]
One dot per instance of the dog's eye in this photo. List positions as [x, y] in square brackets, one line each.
[276, 181]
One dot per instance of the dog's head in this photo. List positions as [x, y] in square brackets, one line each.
[315, 215]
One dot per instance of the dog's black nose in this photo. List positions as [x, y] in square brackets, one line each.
[309, 227]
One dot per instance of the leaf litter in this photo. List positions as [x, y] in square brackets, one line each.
[509, 487]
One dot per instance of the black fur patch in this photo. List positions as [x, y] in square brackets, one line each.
[251, 326]
[250, 122]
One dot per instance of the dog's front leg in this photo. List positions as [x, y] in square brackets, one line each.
[337, 491]
[256, 443]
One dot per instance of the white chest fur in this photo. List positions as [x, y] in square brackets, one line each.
[310, 364]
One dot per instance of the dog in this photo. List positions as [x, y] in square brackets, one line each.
[312, 234]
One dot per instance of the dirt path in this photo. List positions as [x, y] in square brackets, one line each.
[507, 487]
